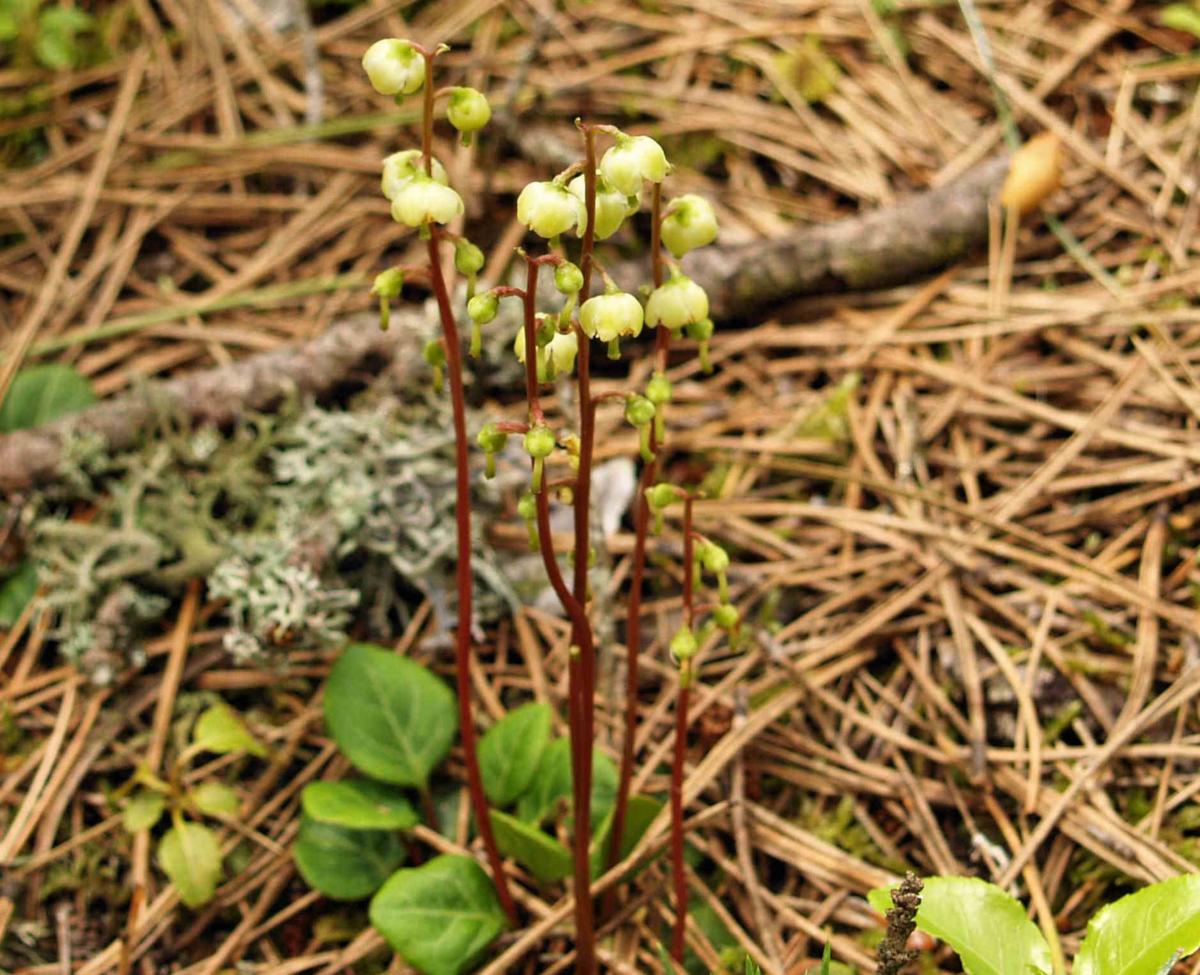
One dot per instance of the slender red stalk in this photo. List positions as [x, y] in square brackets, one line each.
[463, 582]
[581, 639]
[633, 618]
[678, 873]
[462, 668]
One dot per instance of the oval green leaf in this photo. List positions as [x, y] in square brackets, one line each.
[989, 929]
[346, 864]
[542, 855]
[391, 717]
[143, 810]
[439, 917]
[358, 804]
[42, 394]
[219, 729]
[1142, 933]
[553, 780]
[190, 855]
[511, 751]
[215, 799]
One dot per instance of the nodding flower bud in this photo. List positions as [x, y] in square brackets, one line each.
[701, 332]
[539, 444]
[640, 412]
[468, 110]
[527, 509]
[659, 497]
[549, 210]
[690, 223]
[423, 200]
[676, 304]
[716, 560]
[558, 356]
[468, 259]
[394, 67]
[612, 316]
[727, 617]
[434, 355]
[402, 167]
[612, 206]
[658, 389]
[568, 279]
[632, 160]
[492, 441]
[684, 645]
[388, 285]
[483, 307]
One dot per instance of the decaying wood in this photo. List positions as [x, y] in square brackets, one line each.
[257, 383]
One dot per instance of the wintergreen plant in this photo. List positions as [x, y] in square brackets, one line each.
[589, 200]
[189, 852]
[1143, 933]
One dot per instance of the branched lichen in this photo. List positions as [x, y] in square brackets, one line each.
[304, 524]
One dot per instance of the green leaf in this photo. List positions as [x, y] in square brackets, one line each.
[553, 783]
[190, 855]
[989, 929]
[215, 799]
[219, 729]
[511, 751]
[346, 864]
[1181, 16]
[390, 716]
[358, 804]
[143, 810]
[542, 855]
[1142, 933]
[55, 45]
[16, 591]
[42, 394]
[439, 917]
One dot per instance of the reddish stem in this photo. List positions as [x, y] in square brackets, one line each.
[581, 638]
[462, 668]
[633, 618]
[678, 873]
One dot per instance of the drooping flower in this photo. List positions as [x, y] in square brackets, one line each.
[423, 200]
[468, 110]
[631, 161]
[611, 316]
[676, 304]
[690, 223]
[549, 210]
[394, 67]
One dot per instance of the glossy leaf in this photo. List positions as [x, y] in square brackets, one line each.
[392, 718]
[215, 799]
[16, 591]
[220, 729]
[42, 394]
[542, 855]
[511, 751]
[143, 810]
[553, 783]
[346, 864]
[439, 917]
[639, 814]
[1142, 933]
[358, 804]
[190, 855]
[988, 928]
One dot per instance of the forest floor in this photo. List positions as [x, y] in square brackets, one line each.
[965, 509]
